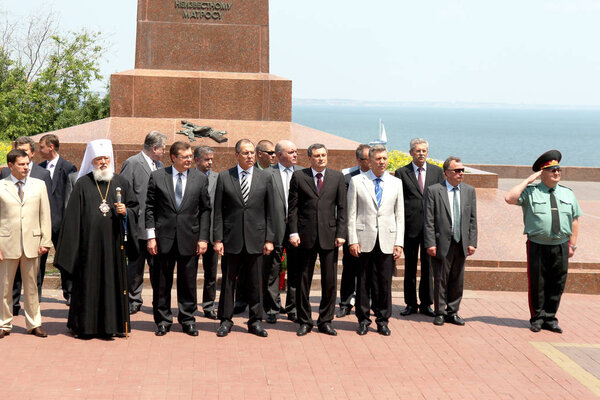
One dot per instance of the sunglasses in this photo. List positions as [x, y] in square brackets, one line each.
[269, 152]
[457, 170]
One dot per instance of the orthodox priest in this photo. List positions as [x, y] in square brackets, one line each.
[97, 233]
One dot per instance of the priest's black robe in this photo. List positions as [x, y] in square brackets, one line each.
[90, 249]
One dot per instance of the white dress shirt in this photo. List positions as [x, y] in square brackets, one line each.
[51, 166]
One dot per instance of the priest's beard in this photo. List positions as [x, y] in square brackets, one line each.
[103, 175]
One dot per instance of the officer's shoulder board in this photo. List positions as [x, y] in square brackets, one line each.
[566, 187]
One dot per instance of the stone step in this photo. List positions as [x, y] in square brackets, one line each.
[477, 277]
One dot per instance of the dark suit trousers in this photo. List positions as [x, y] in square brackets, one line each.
[411, 256]
[547, 267]
[135, 273]
[448, 280]
[161, 275]
[232, 265]
[271, 274]
[348, 286]
[375, 277]
[18, 283]
[210, 261]
[328, 260]
[293, 278]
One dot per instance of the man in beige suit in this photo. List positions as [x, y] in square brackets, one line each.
[25, 234]
[376, 237]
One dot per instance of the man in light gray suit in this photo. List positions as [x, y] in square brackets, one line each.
[287, 154]
[203, 157]
[376, 237]
[450, 229]
[136, 169]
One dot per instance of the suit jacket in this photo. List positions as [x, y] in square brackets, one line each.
[367, 222]
[313, 215]
[438, 221]
[190, 223]
[60, 181]
[280, 215]
[240, 225]
[36, 172]
[137, 172]
[27, 222]
[413, 198]
[349, 176]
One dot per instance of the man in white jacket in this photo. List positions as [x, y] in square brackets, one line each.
[376, 237]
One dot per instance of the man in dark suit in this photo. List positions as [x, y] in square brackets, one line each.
[59, 169]
[137, 169]
[27, 144]
[287, 154]
[450, 236]
[416, 177]
[243, 232]
[350, 263]
[317, 224]
[177, 225]
[203, 157]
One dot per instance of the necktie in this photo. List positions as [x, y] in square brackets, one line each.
[20, 189]
[456, 213]
[288, 177]
[178, 191]
[555, 215]
[421, 183]
[244, 186]
[319, 182]
[378, 191]
[51, 170]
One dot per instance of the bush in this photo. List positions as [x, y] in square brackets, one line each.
[397, 159]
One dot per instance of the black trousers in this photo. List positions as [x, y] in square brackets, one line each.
[161, 275]
[348, 285]
[328, 260]
[293, 278]
[135, 273]
[232, 265]
[411, 256]
[210, 261]
[375, 286]
[271, 274]
[448, 280]
[547, 267]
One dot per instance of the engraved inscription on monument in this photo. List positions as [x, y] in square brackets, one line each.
[206, 10]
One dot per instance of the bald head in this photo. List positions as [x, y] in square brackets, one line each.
[287, 153]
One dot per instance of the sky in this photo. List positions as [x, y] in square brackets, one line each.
[533, 52]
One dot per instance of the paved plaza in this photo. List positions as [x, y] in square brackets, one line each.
[494, 356]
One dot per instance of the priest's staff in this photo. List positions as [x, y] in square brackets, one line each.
[124, 260]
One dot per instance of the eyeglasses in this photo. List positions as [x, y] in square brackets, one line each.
[554, 170]
[457, 170]
[185, 157]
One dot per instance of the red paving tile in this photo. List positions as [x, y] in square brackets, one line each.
[492, 357]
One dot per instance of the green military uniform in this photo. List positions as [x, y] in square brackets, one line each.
[547, 252]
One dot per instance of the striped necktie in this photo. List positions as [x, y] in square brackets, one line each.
[244, 186]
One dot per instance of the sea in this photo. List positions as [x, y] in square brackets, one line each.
[479, 135]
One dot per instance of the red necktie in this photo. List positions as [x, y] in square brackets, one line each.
[319, 182]
[421, 183]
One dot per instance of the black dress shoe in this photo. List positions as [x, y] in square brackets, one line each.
[16, 311]
[363, 328]
[223, 330]
[427, 311]
[271, 318]
[438, 320]
[239, 308]
[342, 312]
[552, 327]
[211, 314]
[68, 301]
[4, 333]
[161, 330]
[190, 329]
[328, 330]
[534, 328]
[292, 316]
[383, 329]
[303, 329]
[134, 308]
[257, 330]
[455, 319]
[408, 310]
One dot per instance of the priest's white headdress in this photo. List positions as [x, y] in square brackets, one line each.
[96, 148]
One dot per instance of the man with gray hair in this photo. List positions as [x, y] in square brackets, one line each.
[203, 157]
[416, 177]
[136, 170]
